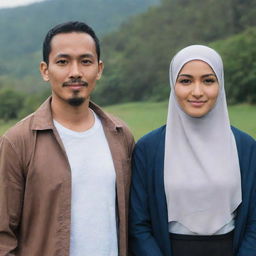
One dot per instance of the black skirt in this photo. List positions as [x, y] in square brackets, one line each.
[189, 245]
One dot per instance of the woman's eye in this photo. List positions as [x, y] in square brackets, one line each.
[185, 81]
[209, 81]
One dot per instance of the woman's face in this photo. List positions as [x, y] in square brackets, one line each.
[196, 88]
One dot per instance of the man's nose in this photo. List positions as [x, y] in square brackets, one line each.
[75, 71]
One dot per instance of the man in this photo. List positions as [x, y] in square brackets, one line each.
[65, 169]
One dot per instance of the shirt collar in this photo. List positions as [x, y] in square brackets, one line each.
[43, 117]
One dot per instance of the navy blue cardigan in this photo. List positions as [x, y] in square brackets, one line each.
[148, 223]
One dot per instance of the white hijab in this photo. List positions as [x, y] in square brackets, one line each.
[201, 168]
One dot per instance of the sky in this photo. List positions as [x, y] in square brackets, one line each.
[15, 3]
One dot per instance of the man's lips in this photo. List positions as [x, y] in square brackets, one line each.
[75, 85]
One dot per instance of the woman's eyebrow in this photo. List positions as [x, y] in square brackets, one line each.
[187, 75]
[206, 75]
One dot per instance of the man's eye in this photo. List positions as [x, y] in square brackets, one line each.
[86, 61]
[62, 62]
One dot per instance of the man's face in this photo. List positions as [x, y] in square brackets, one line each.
[73, 68]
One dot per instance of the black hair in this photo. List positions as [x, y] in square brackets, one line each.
[68, 27]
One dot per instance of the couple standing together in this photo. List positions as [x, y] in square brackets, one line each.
[65, 170]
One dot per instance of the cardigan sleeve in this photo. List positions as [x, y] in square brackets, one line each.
[248, 246]
[248, 243]
[141, 240]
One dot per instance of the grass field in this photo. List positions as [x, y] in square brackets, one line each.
[143, 117]
[146, 116]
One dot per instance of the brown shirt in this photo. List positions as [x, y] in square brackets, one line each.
[35, 185]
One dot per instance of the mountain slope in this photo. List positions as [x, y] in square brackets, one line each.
[22, 29]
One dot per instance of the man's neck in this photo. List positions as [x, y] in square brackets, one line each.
[76, 118]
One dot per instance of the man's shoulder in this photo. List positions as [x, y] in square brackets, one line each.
[41, 119]
[119, 122]
[122, 126]
[111, 121]
[19, 131]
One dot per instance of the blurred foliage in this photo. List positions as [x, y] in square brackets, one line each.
[27, 25]
[23, 28]
[239, 57]
[137, 56]
[32, 102]
[14, 104]
[10, 104]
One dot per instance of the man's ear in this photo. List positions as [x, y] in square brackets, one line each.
[44, 71]
[100, 69]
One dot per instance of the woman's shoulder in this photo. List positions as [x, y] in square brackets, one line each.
[153, 137]
[242, 138]
[150, 145]
[246, 147]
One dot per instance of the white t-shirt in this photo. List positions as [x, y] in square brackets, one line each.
[93, 203]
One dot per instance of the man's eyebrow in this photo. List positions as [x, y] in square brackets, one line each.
[64, 55]
[87, 55]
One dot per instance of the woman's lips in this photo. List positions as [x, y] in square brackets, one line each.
[197, 103]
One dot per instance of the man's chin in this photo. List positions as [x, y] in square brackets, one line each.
[76, 101]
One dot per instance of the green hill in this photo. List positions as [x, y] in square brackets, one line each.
[22, 30]
[136, 49]
[137, 56]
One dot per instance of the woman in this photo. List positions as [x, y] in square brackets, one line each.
[194, 180]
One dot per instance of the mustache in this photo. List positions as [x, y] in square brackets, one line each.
[75, 81]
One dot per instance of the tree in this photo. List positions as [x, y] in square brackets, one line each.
[10, 104]
[146, 45]
[239, 54]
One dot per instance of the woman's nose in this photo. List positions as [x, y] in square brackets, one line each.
[197, 90]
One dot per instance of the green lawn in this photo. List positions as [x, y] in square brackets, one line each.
[143, 117]
[244, 118]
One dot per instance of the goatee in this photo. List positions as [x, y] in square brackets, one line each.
[76, 101]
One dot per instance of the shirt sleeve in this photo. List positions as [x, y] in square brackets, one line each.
[141, 240]
[11, 197]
